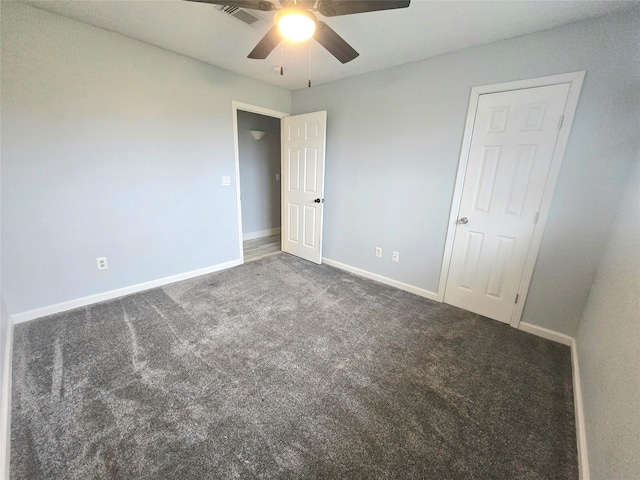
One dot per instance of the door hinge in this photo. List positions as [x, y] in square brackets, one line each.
[560, 122]
[535, 219]
[517, 296]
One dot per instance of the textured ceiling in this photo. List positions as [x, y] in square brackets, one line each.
[383, 39]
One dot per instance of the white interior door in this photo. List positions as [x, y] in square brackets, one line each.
[303, 147]
[512, 147]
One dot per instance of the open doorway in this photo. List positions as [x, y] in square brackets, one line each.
[259, 173]
[302, 139]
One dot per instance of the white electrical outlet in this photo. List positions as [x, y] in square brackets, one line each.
[102, 263]
[395, 257]
[378, 252]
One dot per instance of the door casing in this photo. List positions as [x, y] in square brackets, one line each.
[235, 106]
[575, 79]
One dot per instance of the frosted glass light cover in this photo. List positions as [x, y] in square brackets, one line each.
[296, 27]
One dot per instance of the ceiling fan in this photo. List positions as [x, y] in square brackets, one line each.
[298, 16]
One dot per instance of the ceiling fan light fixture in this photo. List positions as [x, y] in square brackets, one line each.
[296, 25]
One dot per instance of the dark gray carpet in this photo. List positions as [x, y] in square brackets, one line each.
[283, 369]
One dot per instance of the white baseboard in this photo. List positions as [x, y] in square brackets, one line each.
[5, 409]
[379, 278]
[583, 457]
[546, 333]
[101, 297]
[260, 234]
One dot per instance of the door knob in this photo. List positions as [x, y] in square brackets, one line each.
[317, 200]
[463, 220]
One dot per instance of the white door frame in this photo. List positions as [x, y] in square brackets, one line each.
[245, 107]
[575, 80]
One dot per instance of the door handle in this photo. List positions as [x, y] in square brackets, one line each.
[463, 220]
[317, 200]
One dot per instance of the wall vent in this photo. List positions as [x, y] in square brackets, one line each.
[239, 14]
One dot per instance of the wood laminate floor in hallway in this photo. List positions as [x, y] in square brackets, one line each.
[261, 247]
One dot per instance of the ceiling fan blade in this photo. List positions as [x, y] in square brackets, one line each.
[334, 43]
[263, 5]
[300, 3]
[266, 45]
[333, 8]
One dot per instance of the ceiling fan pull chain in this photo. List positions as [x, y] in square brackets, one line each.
[309, 43]
[281, 60]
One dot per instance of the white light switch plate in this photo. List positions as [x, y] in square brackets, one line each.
[226, 181]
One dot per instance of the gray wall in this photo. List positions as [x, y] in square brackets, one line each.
[259, 164]
[608, 342]
[393, 144]
[4, 329]
[111, 147]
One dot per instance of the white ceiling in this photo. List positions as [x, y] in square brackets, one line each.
[384, 39]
